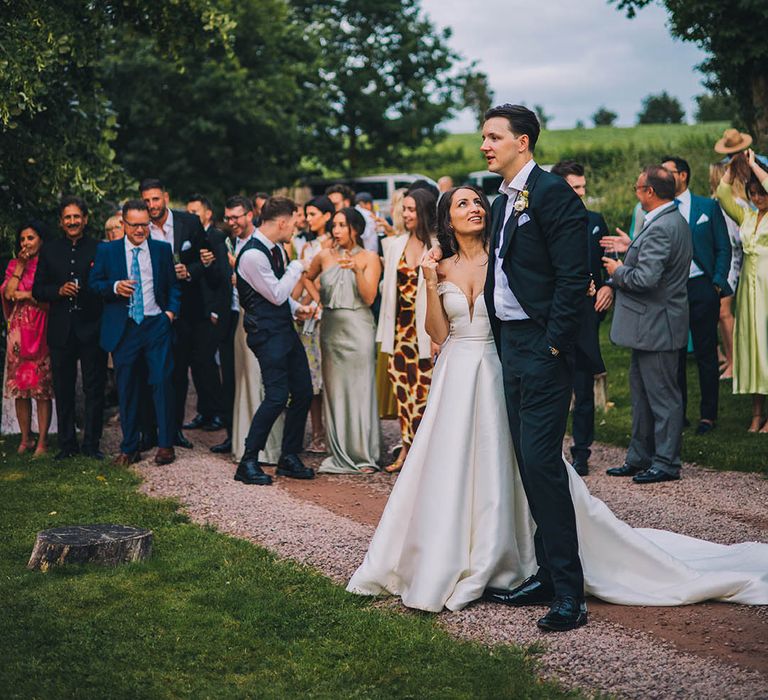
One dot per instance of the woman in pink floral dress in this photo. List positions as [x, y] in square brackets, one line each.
[28, 364]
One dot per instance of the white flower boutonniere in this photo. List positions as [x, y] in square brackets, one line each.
[521, 203]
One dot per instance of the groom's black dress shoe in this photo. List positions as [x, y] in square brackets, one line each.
[223, 448]
[566, 613]
[291, 466]
[249, 471]
[623, 470]
[654, 476]
[529, 592]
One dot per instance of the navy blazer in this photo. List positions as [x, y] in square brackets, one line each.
[110, 267]
[711, 244]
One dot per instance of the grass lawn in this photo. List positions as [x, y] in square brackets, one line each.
[728, 447]
[207, 615]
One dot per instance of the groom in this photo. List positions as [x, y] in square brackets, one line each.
[537, 278]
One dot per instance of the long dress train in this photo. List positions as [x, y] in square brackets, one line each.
[458, 521]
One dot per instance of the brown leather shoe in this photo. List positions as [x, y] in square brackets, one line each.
[125, 459]
[164, 455]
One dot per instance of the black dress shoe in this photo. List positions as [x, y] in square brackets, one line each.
[705, 427]
[566, 613]
[529, 592]
[94, 453]
[66, 453]
[181, 441]
[213, 424]
[654, 476]
[196, 423]
[291, 466]
[223, 448]
[623, 470]
[147, 441]
[249, 472]
[581, 466]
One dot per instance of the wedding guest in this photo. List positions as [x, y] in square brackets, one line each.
[349, 280]
[750, 335]
[707, 284]
[28, 362]
[401, 329]
[137, 279]
[445, 183]
[340, 195]
[300, 235]
[248, 390]
[393, 224]
[113, 228]
[364, 204]
[423, 185]
[258, 202]
[61, 279]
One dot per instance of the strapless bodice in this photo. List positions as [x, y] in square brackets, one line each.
[462, 325]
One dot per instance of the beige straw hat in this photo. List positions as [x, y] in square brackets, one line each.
[733, 141]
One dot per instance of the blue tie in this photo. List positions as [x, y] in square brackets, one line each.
[677, 202]
[136, 307]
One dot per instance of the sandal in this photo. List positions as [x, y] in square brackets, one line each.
[368, 470]
[317, 446]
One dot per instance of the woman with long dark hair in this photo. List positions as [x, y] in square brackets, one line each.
[401, 329]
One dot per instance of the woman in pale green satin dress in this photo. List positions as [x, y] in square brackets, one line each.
[750, 336]
[349, 278]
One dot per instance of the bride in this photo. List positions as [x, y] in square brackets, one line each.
[457, 521]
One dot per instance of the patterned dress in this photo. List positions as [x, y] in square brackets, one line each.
[409, 375]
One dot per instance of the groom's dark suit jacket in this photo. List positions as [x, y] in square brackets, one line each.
[545, 258]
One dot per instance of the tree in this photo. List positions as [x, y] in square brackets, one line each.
[730, 32]
[715, 108]
[389, 78]
[477, 94]
[604, 117]
[542, 116]
[661, 109]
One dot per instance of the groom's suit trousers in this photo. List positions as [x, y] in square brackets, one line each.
[537, 389]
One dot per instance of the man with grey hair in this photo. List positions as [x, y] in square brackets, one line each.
[651, 318]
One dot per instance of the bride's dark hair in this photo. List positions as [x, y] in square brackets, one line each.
[446, 236]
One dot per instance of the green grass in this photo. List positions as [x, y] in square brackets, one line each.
[207, 615]
[728, 447]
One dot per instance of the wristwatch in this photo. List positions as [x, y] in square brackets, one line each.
[554, 351]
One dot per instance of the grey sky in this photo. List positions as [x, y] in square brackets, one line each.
[571, 56]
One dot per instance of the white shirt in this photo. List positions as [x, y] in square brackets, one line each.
[370, 237]
[508, 308]
[164, 232]
[151, 307]
[256, 270]
[651, 215]
[684, 205]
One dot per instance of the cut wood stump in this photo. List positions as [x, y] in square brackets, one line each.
[108, 545]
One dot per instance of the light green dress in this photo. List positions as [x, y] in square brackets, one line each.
[750, 333]
[348, 350]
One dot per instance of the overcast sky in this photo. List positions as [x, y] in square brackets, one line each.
[571, 56]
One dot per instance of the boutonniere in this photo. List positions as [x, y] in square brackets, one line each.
[521, 203]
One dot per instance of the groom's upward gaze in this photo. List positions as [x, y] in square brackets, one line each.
[537, 278]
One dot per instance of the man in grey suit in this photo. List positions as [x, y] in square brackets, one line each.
[651, 317]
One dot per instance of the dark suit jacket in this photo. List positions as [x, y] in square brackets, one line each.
[711, 245]
[545, 258]
[110, 267]
[216, 281]
[56, 265]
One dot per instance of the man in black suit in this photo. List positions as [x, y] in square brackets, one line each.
[588, 359]
[73, 328]
[210, 328]
[185, 234]
[537, 279]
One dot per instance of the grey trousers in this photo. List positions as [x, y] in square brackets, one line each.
[657, 411]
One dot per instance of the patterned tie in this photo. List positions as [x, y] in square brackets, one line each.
[136, 307]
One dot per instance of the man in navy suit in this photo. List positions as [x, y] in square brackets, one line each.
[136, 278]
[707, 282]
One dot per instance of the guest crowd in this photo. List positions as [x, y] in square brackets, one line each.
[284, 313]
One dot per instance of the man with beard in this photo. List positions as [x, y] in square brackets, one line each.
[73, 328]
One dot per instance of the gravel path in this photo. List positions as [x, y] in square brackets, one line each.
[631, 658]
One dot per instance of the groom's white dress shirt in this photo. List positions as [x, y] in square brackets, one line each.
[256, 270]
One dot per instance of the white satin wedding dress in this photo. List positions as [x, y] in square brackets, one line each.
[458, 520]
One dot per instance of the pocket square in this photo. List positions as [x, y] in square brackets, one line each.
[524, 219]
[595, 230]
[185, 246]
[702, 219]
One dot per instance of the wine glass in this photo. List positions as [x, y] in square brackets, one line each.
[75, 305]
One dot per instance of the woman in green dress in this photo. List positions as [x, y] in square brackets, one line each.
[750, 335]
[349, 278]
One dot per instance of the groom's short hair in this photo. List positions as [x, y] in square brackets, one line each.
[521, 121]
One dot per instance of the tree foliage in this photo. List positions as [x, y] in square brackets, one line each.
[661, 109]
[715, 108]
[733, 34]
[477, 94]
[604, 117]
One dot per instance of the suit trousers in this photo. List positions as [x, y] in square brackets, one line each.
[285, 375]
[704, 309]
[657, 411]
[147, 343]
[205, 371]
[93, 364]
[227, 360]
[583, 408]
[537, 389]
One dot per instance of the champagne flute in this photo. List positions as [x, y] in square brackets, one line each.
[75, 306]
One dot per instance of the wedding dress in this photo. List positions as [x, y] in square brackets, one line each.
[457, 520]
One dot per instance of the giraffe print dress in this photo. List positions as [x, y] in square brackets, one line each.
[409, 375]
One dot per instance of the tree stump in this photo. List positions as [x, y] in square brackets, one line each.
[108, 545]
